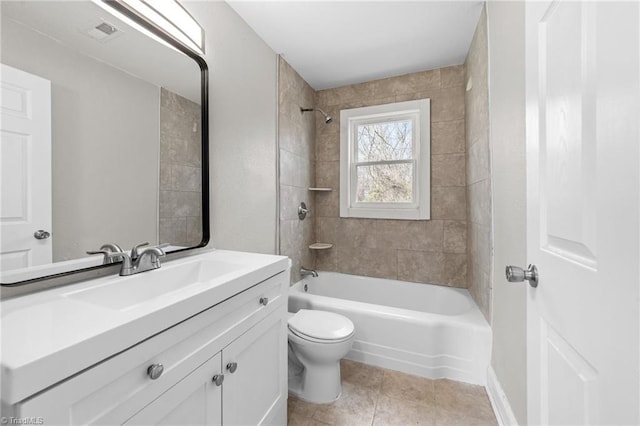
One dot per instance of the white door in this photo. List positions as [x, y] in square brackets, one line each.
[25, 169]
[255, 386]
[582, 212]
[195, 400]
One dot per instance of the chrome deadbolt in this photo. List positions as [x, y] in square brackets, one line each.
[517, 275]
[155, 370]
[41, 234]
[218, 379]
[232, 367]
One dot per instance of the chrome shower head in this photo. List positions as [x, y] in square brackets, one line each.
[327, 118]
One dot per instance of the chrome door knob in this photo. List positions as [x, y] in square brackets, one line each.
[264, 301]
[218, 379]
[232, 367]
[516, 275]
[155, 370]
[41, 234]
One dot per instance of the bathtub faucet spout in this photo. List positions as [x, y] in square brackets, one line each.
[304, 271]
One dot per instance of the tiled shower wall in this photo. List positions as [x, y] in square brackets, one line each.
[296, 139]
[433, 251]
[479, 170]
[180, 170]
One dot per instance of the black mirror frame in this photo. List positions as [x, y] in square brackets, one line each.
[76, 275]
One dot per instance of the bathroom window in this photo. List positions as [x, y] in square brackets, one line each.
[384, 161]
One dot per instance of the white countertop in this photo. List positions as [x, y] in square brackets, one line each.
[51, 335]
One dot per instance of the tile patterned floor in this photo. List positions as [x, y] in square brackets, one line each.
[375, 396]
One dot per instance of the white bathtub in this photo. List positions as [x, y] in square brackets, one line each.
[422, 329]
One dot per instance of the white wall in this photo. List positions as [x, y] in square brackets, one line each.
[507, 141]
[105, 125]
[242, 136]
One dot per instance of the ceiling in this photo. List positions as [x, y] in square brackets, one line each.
[335, 43]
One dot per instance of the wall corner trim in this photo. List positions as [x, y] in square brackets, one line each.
[499, 400]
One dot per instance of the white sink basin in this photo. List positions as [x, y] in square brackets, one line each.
[125, 293]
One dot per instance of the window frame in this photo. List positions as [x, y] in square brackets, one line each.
[419, 112]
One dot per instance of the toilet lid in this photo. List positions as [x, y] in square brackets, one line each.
[321, 325]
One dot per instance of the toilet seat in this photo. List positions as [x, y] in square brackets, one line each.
[321, 326]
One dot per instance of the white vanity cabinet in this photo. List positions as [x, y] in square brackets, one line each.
[241, 340]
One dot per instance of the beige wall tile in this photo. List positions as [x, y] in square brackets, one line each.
[448, 170]
[374, 247]
[173, 230]
[296, 139]
[447, 137]
[480, 202]
[426, 235]
[296, 170]
[447, 104]
[180, 204]
[328, 174]
[454, 270]
[479, 171]
[194, 230]
[327, 260]
[328, 204]
[328, 147]
[478, 165]
[186, 178]
[452, 76]
[455, 237]
[420, 266]
[165, 176]
[369, 262]
[448, 203]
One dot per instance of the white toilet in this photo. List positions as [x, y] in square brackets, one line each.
[318, 340]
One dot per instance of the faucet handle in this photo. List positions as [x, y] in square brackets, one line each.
[111, 257]
[112, 247]
[101, 251]
[134, 250]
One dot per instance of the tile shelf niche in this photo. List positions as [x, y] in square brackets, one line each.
[320, 246]
[321, 189]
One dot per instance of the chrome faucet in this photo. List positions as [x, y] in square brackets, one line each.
[304, 271]
[140, 260]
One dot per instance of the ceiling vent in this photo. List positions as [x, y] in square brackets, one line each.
[103, 32]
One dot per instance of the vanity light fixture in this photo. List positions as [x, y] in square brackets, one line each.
[168, 16]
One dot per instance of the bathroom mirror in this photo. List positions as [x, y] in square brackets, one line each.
[103, 138]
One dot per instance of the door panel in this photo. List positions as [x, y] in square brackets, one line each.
[567, 146]
[260, 377]
[583, 186]
[25, 169]
[194, 400]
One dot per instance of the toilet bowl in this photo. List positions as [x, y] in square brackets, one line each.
[318, 340]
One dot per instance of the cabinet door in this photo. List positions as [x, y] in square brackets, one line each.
[194, 400]
[256, 392]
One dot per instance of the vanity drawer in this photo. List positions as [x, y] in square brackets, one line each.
[114, 390]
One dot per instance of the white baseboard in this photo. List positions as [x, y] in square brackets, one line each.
[499, 401]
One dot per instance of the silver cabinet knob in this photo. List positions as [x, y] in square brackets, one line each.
[517, 275]
[218, 379]
[41, 234]
[264, 301]
[155, 370]
[232, 367]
